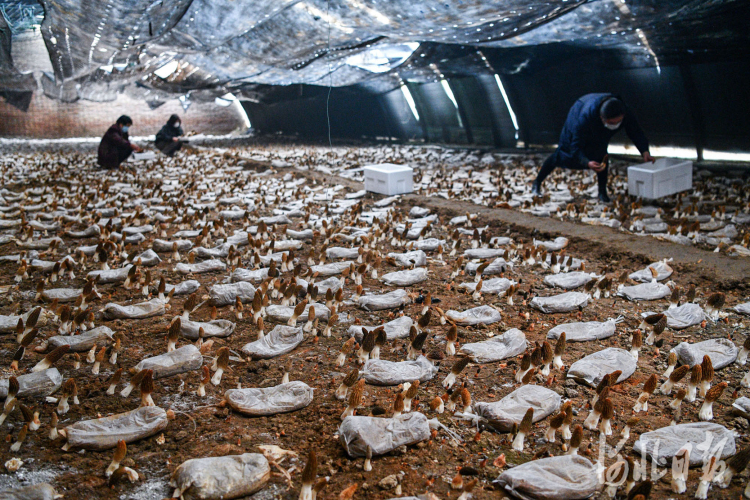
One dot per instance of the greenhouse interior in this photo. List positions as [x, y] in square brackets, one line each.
[337, 249]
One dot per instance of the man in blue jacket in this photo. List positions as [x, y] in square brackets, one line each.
[591, 123]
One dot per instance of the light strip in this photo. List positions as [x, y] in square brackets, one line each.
[725, 156]
[410, 101]
[243, 113]
[449, 92]
[507, 103]
[447, 88]
[643, 38]
[668, 151]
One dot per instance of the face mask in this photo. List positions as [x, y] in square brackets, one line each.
[125, 129]
[611, 126]
[177, 125]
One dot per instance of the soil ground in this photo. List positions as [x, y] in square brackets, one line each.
[203, 427]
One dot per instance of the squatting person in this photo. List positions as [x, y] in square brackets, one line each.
[591, 123]
[168, 139]
[115, 147]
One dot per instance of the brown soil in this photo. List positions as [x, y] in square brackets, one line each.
[203, 428]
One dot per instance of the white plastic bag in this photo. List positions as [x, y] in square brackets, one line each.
[382, 435]
[722, 352]
[383, 372]
[564, 302]
[378, 302]
[483, 314]
[104, 433]
[567, 477]
[408, 277]
[225, 478]
[510, 410]
[142, 310]
[187, 358]
[567, 281]
[592, 368]
[662, 444]
[281, 398]
[281, 340]
[511, 343]
[584, 331]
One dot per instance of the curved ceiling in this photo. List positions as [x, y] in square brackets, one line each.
[206, 48]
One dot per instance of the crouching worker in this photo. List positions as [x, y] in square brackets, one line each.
[115, 147]
[168, 139]
[591, 123]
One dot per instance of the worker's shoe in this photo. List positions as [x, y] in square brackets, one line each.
[603, 197]
[536, 189]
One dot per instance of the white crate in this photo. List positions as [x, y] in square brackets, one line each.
[389, 179]
[664, 177]
[146, 155]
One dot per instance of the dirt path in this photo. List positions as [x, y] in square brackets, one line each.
[694, 264]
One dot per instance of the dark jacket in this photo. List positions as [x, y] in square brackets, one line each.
[167, 133]
[114, 148]
[585, 138]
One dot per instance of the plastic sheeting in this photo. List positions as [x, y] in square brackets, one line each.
[230, 476]
[104, 433]
[100, 335]
[382, 372]
[511, 409]
[511, 343]
[567, 281]
[396, 329]
[584, 331]
[592, 368]
[185, 359]
[406, 278]
[281, 340]
[270, 400]
[483, 314]
[35, 384]
[565, 302]
[42, 491]
[206, 48]
[224, 295]
[493, 285]
[683, 316]
[378, 302]
[216, 328]
[722, 352]
[645, 291]
[143, 310]
[382, 435]
[663, 443]
[568, 477]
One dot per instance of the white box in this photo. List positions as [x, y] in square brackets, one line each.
[664, 177]
[389, 179]
[146, 155]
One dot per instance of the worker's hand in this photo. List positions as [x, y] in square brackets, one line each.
[596, 166]
[137, 148]
[175, 139]
[647, 157]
